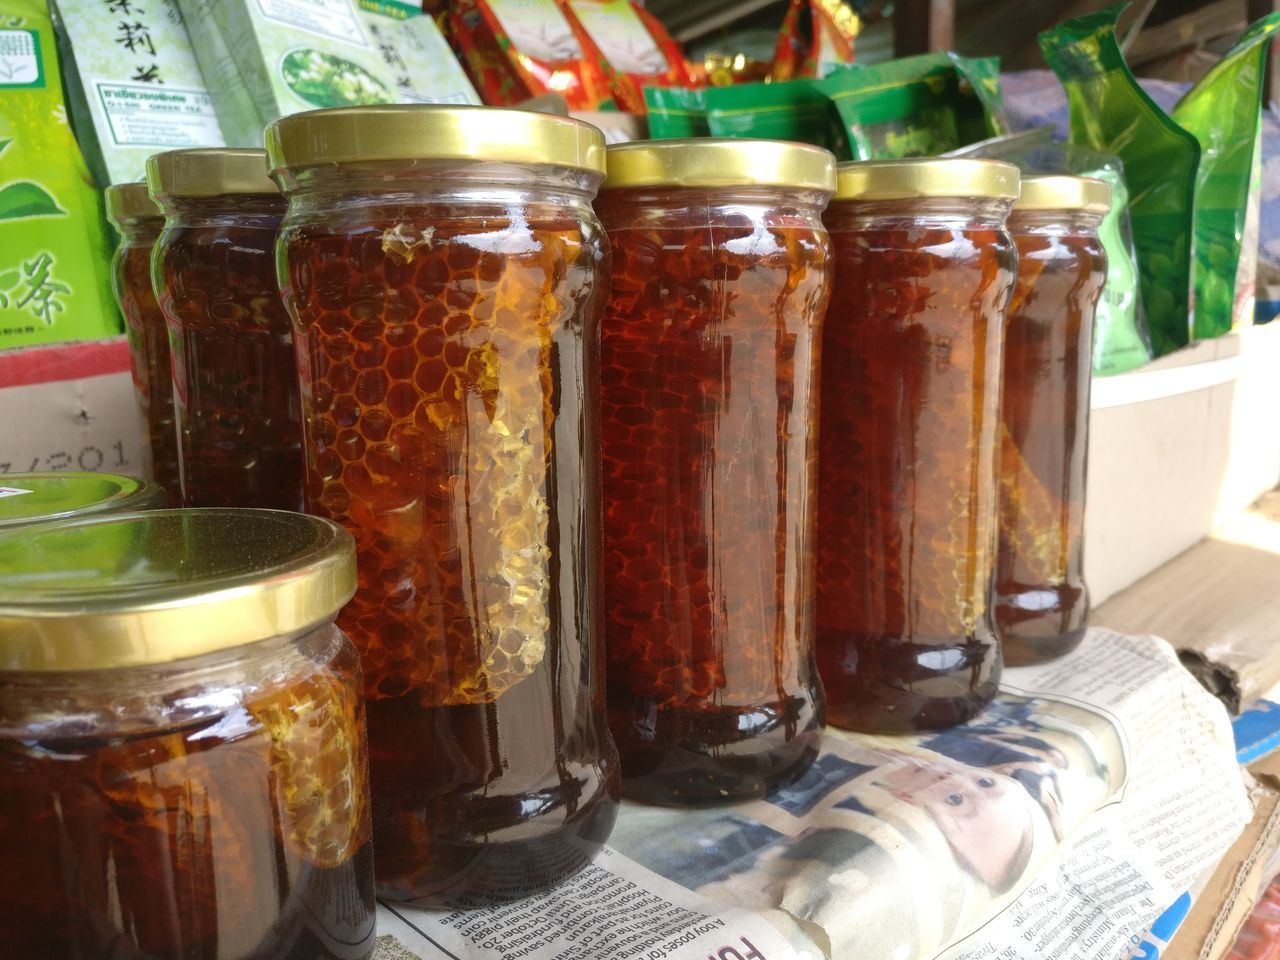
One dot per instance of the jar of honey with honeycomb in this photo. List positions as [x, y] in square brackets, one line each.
[709, 363]
[446, 273]
[909, 434]
[235, 378]
[139, 220]
[183, 769]
[1042, 604]
[27, 498]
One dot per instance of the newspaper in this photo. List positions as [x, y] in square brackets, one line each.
[1067, 822]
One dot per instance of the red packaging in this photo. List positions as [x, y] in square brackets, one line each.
[517, 49]
[636, 49]
[816, 36]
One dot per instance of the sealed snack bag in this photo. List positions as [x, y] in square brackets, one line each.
[674, 112]
[517, 49]
[796, 110]
[918, 106]
[1223, 110]
[1109, 111]
[815, 39]
[133, 84]
[637, 48]
[54, 263]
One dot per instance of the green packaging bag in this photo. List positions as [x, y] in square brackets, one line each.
[54, 260]
[674, 112]
[133, 84]
[1109, 111]
[1223, 111]
[264, 59]
[797, 110]
[917, 106]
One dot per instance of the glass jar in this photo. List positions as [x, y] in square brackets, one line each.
[139, 220]
[27, 498]
[910, 417]
[1042, 604]
[235, 378]
[446, 273]
[182, 756]
[709, 354]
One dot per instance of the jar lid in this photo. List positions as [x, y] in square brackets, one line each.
[209, 172]
[719, 162]
[133, 589]
[1064, 193]
[130, 201]
[927, 177]
[419, 131]
[27, 498]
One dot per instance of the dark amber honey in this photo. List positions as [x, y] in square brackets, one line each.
[1042, 604]
[907, 469]
[235, 378]
[709, 396]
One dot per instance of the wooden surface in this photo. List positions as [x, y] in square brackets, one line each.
[1226, 587]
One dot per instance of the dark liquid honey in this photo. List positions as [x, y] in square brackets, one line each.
[709, 395]
[240, 835]
[907, 472]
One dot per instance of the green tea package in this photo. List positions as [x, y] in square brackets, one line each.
[1109, 111]
[917, 106]
[796, 110]
[54, 268]
[1223, 111]
[133, 84]
[1120, 339]
[675, 112]
[263, 59]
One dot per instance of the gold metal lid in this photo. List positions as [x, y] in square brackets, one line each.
[1064, 193]
[130, 201]
[719, 162]
[209, 172]
[133, 589]
[27, 498]
[432, 132]
[927, 177]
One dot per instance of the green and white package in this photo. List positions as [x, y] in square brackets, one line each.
[917, 106]
[264, 59]
[54, 259]
[133, 84]
[795, 110]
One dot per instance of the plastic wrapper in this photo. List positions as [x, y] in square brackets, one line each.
[816, 38]
[917, 106]
[676, 112]
[518, 49]
[55, 277]
[1189, 174]
[1120, 338]
[797, 110]
[639, 51]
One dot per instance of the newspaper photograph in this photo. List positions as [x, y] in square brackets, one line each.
[1061, 823]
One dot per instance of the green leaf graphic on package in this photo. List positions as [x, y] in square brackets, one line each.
[325, 80]
[25, 199]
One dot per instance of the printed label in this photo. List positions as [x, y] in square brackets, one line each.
[621, 36]
[20, 61]
[537, 29]
[326, 18]
[13, 492]
[146, 115]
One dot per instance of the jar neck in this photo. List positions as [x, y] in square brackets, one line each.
[981, 213]
[811, 202]
[1054, 222]
[227, 208]
[436, 180]
[140, 231]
